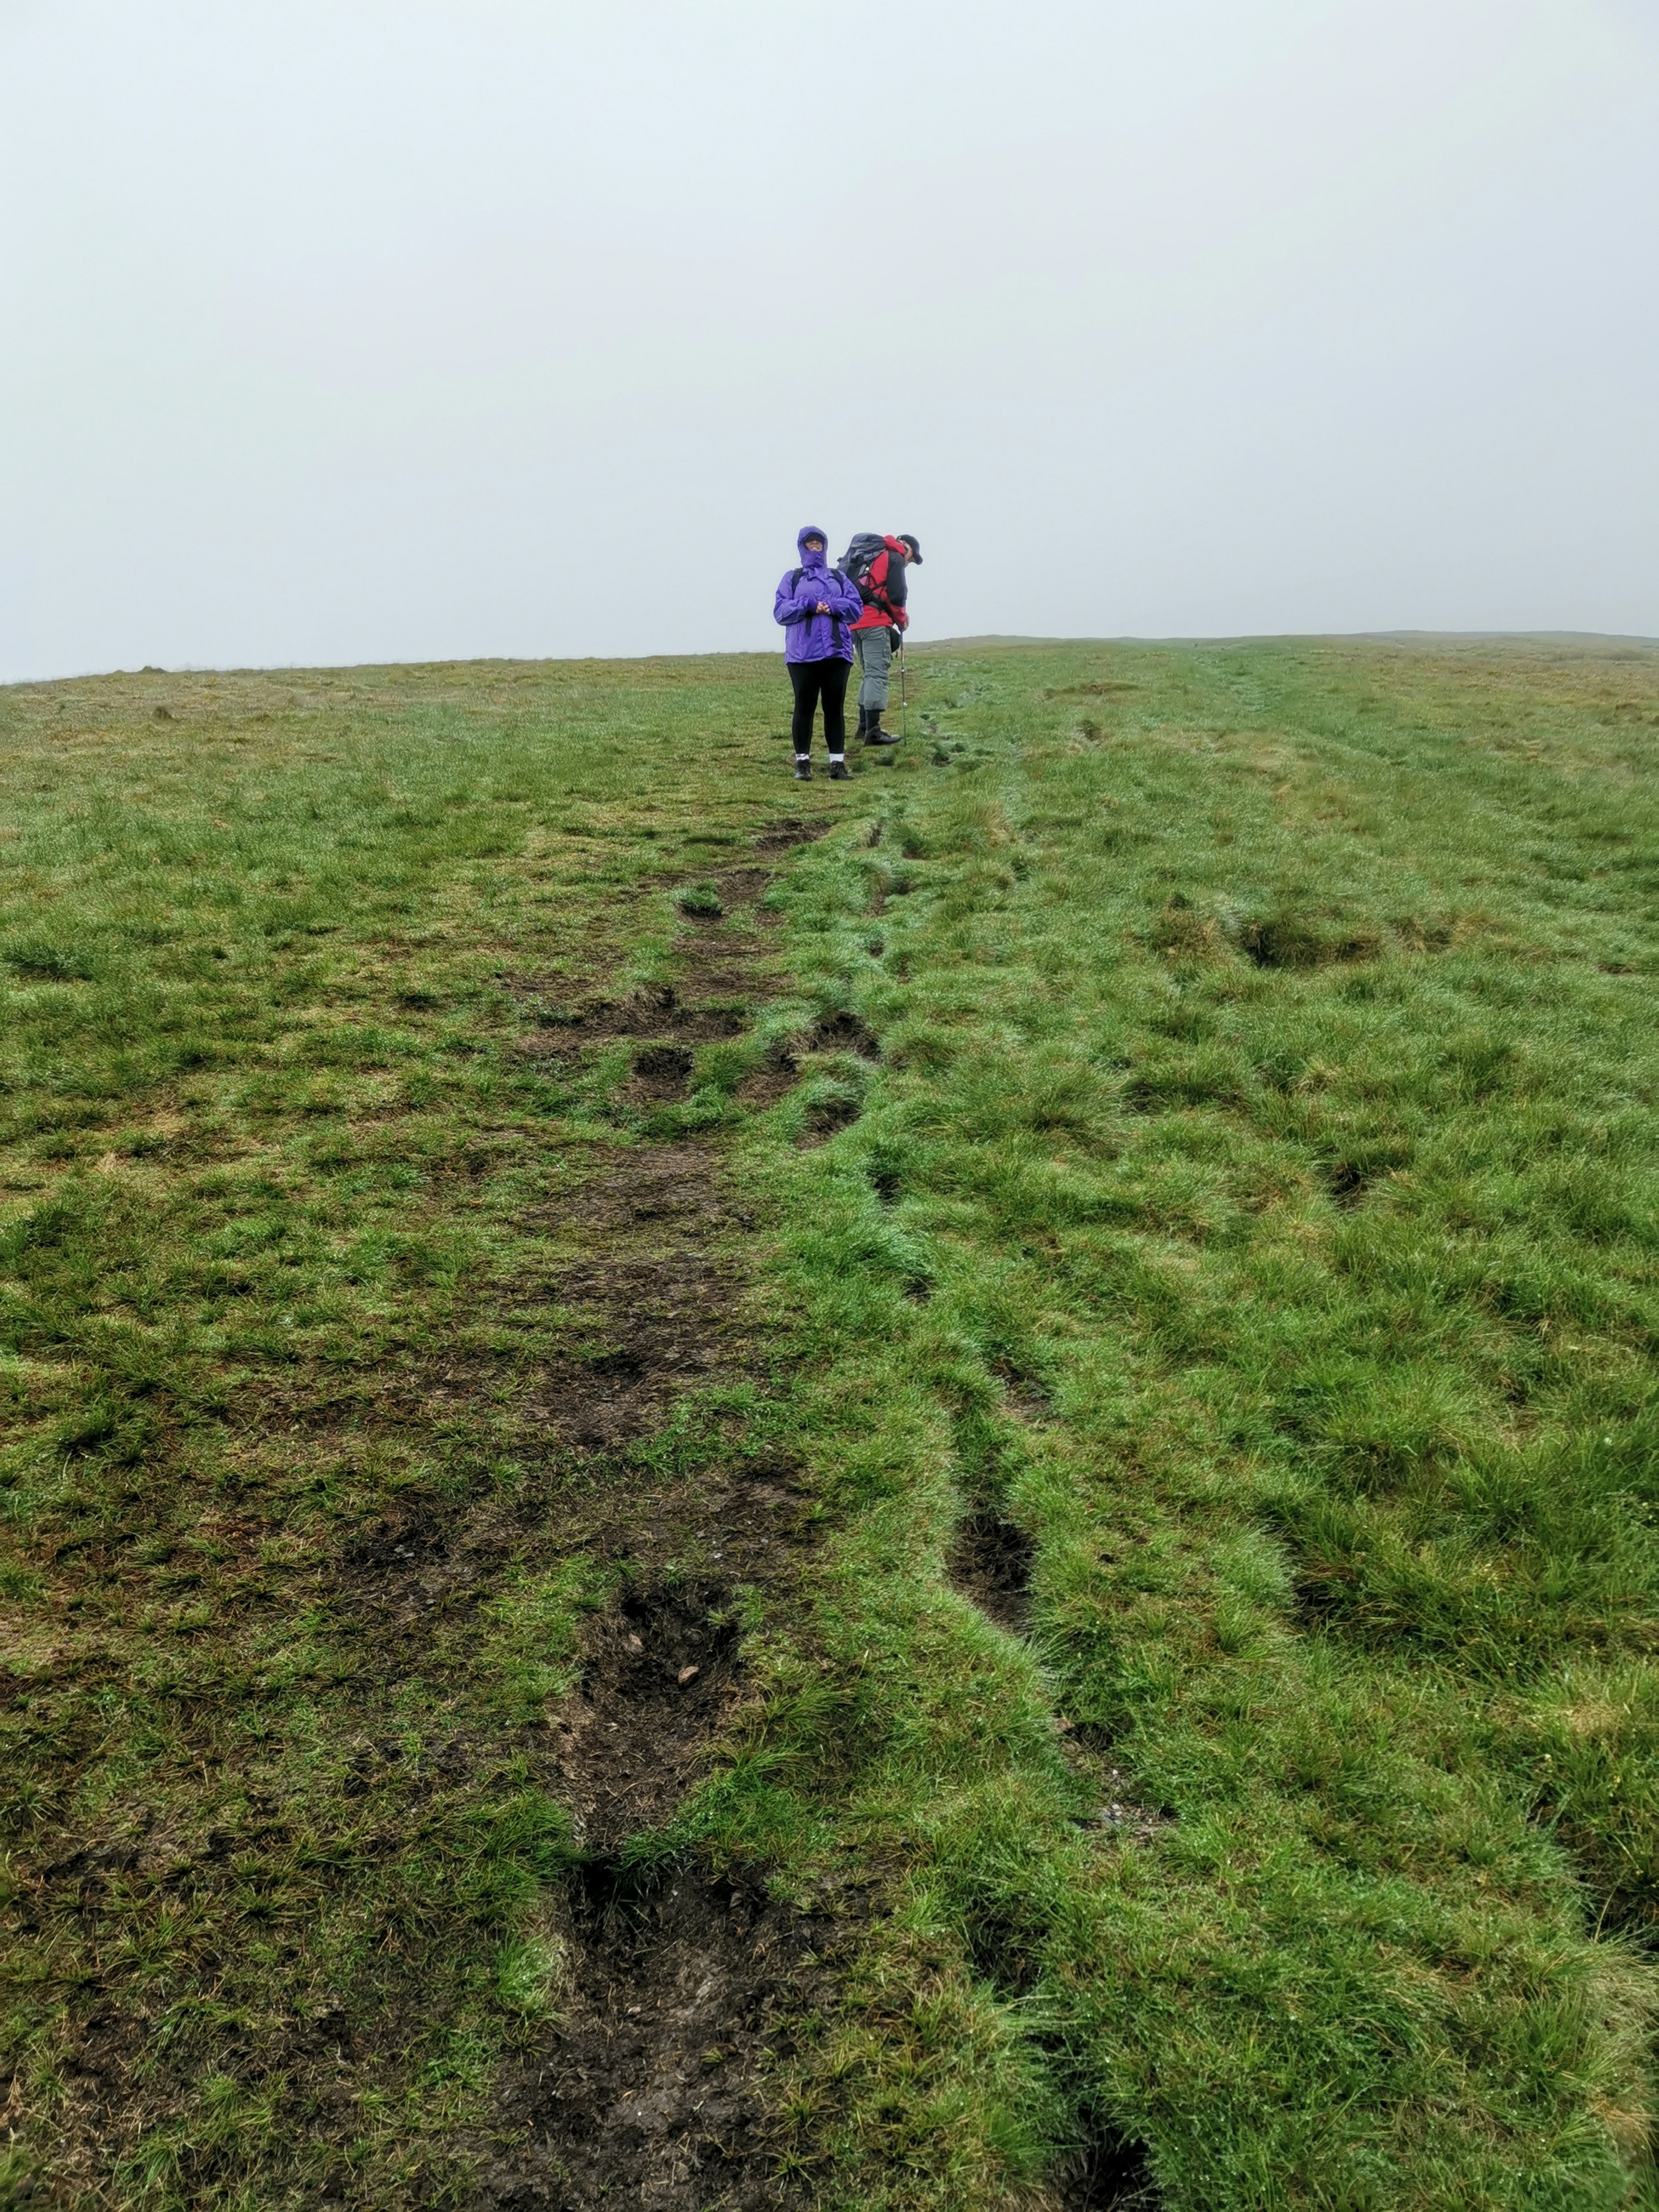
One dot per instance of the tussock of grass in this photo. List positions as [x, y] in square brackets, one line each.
[1252, 1202]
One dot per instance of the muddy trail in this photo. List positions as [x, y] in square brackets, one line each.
[678, 1998]
[676, 1991]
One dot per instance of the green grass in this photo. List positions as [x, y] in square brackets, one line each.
[1255, 1200]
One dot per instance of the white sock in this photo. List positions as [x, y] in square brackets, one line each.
[837, 760]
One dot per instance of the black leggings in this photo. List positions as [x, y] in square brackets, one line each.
[814, 680]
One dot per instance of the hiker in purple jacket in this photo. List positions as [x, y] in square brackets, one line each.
[817, 607]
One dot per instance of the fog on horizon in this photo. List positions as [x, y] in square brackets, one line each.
[370, 332]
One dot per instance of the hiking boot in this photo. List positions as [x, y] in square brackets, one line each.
[838, 769]
[878, 735]
[803, 768]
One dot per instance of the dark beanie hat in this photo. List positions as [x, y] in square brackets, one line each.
[905, 538]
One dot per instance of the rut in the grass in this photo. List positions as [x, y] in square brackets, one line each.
[1107, 2173]
[989, 1562]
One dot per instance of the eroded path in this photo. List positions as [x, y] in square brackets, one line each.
[677, 1983]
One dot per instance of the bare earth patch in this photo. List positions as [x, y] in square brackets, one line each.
[660, 1672]
[678, 2000]
[990, 1563]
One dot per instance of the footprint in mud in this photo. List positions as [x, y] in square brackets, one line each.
[1106, 2171]
[655, 1012]
[662, 1074]
[990, 1564]
[843, 1033]
[659, 1669]
[404, 1568]
[824, 1117]
[779, 836]
[1024, 1394]
[838, 1032]
[648, 2095]
[743, 886]
[775, 1077]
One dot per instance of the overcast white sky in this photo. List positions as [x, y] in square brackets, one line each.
[363, 330]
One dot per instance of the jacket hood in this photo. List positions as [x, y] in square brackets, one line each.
[819, 560]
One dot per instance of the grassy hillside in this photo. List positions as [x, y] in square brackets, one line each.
[927, 1493]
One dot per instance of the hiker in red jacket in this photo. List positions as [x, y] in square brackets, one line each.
[877, 566]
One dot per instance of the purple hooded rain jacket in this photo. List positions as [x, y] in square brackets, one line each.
[810, 637]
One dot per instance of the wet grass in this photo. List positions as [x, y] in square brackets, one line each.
[1222, 1158]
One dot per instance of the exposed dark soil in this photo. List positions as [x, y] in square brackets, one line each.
[1109, 2175]
[1024, 1394]
[658, 1294]
[1347, 1181]
[743, 886]
[645, 1259]
[1288, 940]
[662, 1074]
[660, 1672]
[778, 837]
[404, 1567]
[843, 1033]
[665, 1324]
[647, 2093]
[648, 1184]
[723, 960]
[657, 1012]
[884, 888]
[839, 1032]
[1349, 1176]
[1105, 2172]
[824, 1117]
[777, 1076]
[990, 1562]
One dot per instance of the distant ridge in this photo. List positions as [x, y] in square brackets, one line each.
[1580, 637]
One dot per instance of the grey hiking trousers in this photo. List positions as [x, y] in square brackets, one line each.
[874, 648]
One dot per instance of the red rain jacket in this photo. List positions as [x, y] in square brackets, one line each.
[882, 589]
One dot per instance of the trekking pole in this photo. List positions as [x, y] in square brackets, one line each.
[904, 704]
